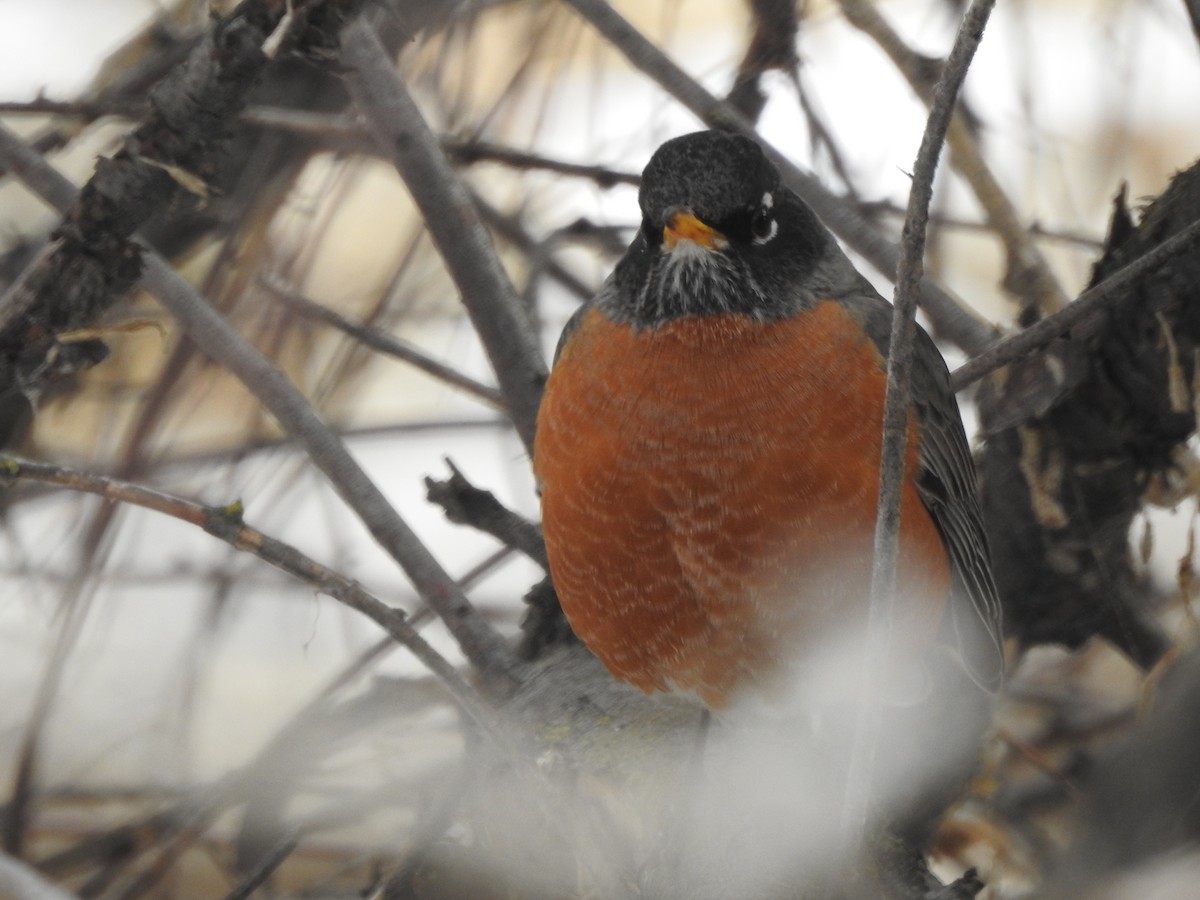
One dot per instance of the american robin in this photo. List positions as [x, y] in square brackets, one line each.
[708, 446]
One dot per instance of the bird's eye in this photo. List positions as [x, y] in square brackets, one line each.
[763, 225]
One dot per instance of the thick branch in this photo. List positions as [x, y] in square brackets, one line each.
[492, 303]
[93, 260]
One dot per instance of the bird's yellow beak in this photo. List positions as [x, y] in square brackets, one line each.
[683, 226]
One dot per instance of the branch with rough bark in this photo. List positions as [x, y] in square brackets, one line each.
[167, 160]
[326, 449]
[897, 404]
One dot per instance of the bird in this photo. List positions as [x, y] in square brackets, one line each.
[708, 445]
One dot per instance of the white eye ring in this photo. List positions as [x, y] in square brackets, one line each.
[764, 211]
[760, 239]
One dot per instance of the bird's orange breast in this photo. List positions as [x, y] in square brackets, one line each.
[709, 495]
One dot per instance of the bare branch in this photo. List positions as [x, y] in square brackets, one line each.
[534, 249]
[226, 524]
[896, 407]
[222, 342]
[492, 303]
[1091, 301]
[1029, 275]
[168, 157]
[380, 340]
[772, 46]
[215, 336]
[267, 865]
[340, 131]
[1078, 239]
[468, 152]
[465, 504]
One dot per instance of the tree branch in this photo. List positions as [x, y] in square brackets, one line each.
[491, 302]
[204, 325]
[896, 407]
[378, 339]
[170, 156]
[465, 504]
[226, 524]
[1029, 275]
[1090, 302]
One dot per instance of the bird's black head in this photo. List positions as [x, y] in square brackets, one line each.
[717, 176]
[720, 234]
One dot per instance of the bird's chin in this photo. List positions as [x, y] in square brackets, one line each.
[685, 250]
[692, 280]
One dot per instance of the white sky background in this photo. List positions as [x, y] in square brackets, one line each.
[55, 46]
[1091, 65]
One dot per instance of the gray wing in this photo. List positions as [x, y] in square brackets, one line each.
[947, 485]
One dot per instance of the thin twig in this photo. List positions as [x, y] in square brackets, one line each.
[346, 133]
[108, 845]
[473, 151]
[1103, 295]
[337, 129]
[535, 250]
[225, 523]
[269, 863]
[216, 337]
[822, 138]
[950, 317]
[1029, 274]
[188, 461]
[896, 411]
[380, 340]
[941, 220]
[491, 301]
[84, 110]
